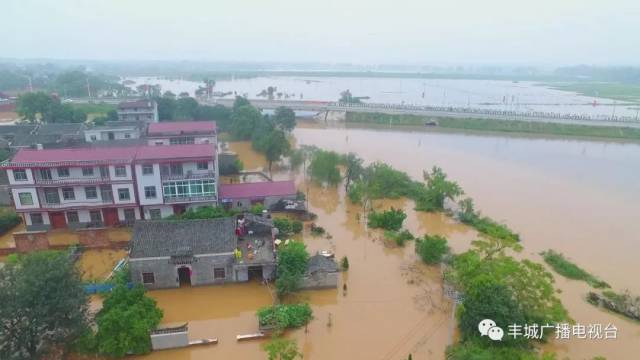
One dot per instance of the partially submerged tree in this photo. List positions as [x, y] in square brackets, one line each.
[324, 167]
[284, 118]
[353, 169]
[43, 305]
[282, 349]
[292, 265]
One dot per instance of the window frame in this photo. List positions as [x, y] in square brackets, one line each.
[65, 192]
[88, 171]
[39, 222]
[117, 169]
[20, 171]
[63, 172]
[70, 220]
[22, 203]
[129, 211]
[145, 278]
[148, 189]
[86, 192]
[155, 211]
[200, 167]
[124, 191]
[146, 168]
[91, 217]
[216, 273]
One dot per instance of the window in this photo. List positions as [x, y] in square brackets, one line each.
[123, 194]
[150, 192]
[148, 278]
[25, 198]
[63, 172]
[176, 169]
[72, 217]
[36, 219]
[219, 273]
[95, 216]
[51, 196]
[68, 194]
[20, 175]
[155, 214]
[91, 192]
[129, 215]
[187, 188]
[147, 169]
[181, 140]
[203, 165]
[87, 171]
[121, 171]
[94, 138]
[45, 174]
[159, 143]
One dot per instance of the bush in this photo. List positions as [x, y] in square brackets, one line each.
[344, 263]
[317, 230]
[285, 316]
[287, 227]
[257, 209]
[570, 270]
[388, 220]
[432, 248]
[8, 219]
[204, 212]
[399, 237]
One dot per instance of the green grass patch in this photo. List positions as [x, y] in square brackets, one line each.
[510, 126]
[566, 268]
[609, 90]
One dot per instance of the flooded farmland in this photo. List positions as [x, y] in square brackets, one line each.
[393, 305]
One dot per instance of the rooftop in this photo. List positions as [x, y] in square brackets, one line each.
[154, 238]
[136, 104]
[257, 189]
[321, 263]
[126, 154]
[182, 127]
[176, 152]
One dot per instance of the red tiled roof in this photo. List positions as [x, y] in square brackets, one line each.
[115, 154]
[258, 189]
[178, 127]
[166, 152]
[135, 104]
[75, 155]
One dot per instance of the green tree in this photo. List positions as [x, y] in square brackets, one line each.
[239, 102]
[273, 145]
[33, 106]
[44, 307]
[391, 219]
[186, 108]
[432, 248]
[166, 108]
[438, 189]
[292, 265]
[347, 98]
[284, 118]
[324, 167]
[221, 114]
[112, 115]
[282, 349]
[125, 322]
[353, 169]
[244, 121]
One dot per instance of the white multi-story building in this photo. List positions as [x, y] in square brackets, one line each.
[182, 132]
[139, 110]
[79, 187]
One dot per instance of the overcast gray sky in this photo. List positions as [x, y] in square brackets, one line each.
[357, 31]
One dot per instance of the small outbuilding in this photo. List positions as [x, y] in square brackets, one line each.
[322, 273]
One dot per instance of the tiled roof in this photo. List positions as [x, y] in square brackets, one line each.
[75, 155]
[136, 104]
[257, 189]
[182, 127]
[165, 152]
[115, 153]
[321, 263]
[153, 238]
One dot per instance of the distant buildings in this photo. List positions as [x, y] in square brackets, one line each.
[182, 132]
[139, 110]
[114, 130]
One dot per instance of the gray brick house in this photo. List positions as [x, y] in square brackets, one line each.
[170, 253]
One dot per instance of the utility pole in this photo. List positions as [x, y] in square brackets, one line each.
[88, 88]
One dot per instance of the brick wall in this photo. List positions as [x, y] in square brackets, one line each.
[31, 241]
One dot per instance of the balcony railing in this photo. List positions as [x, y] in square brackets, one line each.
[182, 199]
[74, 180]
[188, 176]
[76, 203]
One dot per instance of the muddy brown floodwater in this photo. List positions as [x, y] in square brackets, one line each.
[579, 197]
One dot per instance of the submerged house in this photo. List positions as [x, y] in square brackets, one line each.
[322, 273]
[169, 253]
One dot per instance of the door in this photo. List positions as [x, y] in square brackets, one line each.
[57, 220]
[179, 209]
[110, 217]
[184, 276]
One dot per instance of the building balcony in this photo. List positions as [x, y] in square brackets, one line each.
[80, 203]
[138, 111]
[189, 199]
[74, 181]
[189, 176]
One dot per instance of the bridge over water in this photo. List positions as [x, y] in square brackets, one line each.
[439, 111]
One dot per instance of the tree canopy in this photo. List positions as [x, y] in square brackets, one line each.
[44, 307]
[40, 107]
[284, 118]
[324, 167]
[292, 265]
